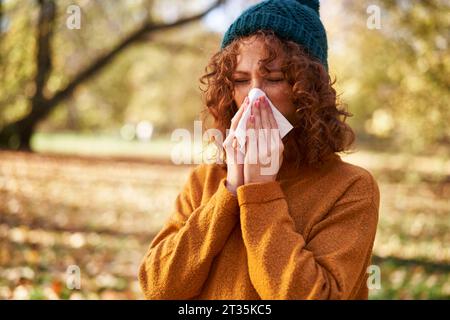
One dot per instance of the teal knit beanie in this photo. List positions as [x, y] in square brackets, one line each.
[296, 20]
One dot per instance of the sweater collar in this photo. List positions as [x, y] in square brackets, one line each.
[289, 170]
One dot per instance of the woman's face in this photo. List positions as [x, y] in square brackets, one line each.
[247, 76]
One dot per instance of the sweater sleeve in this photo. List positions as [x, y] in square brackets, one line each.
[178, 260]
[330, 265]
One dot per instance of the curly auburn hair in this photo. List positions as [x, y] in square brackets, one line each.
[319, 127]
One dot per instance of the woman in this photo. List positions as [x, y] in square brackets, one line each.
[306, 231]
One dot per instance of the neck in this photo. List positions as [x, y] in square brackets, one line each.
[290, 169]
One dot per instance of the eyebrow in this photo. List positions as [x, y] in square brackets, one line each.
[246, 72]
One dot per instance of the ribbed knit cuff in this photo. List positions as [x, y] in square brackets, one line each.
[259, 192]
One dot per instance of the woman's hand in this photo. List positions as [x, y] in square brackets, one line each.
[235, 159]
[264, 148]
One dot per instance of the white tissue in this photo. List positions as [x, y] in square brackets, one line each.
[240, 133]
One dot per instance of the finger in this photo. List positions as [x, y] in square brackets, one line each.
[238, 115]
[252, 143]
[275, 141]
[274, 131]
[251, 122]
[259, 134]
[257, 114]
[273, 122]
[239, 157]
[265, 122]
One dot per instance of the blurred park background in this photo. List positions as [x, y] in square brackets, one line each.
[86, 117]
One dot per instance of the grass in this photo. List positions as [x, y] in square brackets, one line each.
[100, 213]
[159, 148]
[88, 144]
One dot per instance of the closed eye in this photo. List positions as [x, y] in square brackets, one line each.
[271, 80]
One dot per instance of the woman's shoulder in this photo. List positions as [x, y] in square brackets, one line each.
[351, 171]
[356, 179]
[204, 178]
[205, 172]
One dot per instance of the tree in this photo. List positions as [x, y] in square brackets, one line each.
[17, 134]
[395, 79]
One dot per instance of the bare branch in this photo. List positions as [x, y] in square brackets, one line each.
[41, 105]
[43, 53]
[102, 61]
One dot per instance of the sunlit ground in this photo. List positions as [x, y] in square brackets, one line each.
[101, 213]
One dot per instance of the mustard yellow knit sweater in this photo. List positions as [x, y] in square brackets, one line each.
[307, 235]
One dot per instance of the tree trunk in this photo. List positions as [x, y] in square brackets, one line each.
[18, 134]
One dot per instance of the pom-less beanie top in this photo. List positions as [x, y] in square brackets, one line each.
[295, 20]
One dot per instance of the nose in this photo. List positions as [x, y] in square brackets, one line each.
[257, 83]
